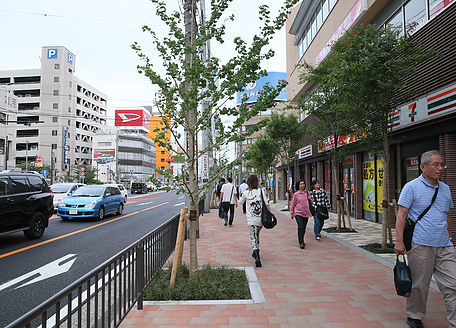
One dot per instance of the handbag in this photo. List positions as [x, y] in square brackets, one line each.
[402, 278]
[409, 226]
[311, 208]
[268, 219]
[322, 213]
[226, 205]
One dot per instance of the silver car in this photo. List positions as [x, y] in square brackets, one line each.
[61, 190]
[123, 191]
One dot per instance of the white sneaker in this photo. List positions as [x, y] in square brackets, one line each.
[318, 238]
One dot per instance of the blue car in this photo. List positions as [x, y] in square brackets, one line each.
[91, 201]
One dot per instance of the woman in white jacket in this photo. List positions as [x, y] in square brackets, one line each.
[252, 196]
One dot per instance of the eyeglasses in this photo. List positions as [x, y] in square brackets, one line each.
[436, 165]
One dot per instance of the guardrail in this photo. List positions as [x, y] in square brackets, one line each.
[104, 296]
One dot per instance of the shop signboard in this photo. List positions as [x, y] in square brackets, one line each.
[411, 168]
[252, 91]
[372, 184]
[104, 157]
[132, 117]
[328, 143]
[304, 152]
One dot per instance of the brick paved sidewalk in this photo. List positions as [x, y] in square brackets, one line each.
[328, 284]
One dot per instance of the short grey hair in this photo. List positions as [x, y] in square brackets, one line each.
[425, 157]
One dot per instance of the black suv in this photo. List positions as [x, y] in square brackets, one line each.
[138, 187]
[25, 203]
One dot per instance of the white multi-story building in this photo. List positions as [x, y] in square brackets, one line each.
[8, 110]
[57, 113]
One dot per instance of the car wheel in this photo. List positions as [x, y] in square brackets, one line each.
[101, 213]
[36, 227]
[125, 199]
[120, 209]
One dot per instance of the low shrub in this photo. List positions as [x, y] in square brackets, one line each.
[377, 248]
[220, 283]
[342, 229]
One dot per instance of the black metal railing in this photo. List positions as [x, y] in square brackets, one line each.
[104, 296]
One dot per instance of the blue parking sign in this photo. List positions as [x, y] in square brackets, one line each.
[44, 172]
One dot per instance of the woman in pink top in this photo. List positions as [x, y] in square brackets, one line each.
[299, 210]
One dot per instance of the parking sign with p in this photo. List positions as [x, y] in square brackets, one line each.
[52, 53]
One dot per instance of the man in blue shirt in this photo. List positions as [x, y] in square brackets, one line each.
[432, 251]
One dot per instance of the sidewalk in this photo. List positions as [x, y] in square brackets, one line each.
[330, 284]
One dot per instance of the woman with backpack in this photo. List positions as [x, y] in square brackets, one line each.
[253, 198]
[300, 210]
[321, 204]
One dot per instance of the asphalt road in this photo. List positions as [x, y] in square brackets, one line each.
[91, 243]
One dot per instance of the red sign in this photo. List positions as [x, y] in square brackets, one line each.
[38, 159]
[132, 117]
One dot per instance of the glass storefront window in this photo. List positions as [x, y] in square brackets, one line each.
[436, 6]
[395, 23]
[412, 168]
[415, 15]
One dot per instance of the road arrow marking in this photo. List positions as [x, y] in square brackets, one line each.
[47, 271]
[179, 204]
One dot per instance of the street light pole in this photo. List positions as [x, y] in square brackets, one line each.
[26, 154]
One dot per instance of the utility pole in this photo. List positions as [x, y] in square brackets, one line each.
[52, 167]
[26, 154]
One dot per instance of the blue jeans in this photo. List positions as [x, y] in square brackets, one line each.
[221, 212]
[318, 225]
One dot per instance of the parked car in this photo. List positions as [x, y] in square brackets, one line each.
[25, 203]
[92, 201]
[138, 188]
[151, 186]
[123, 191]
[61, 190]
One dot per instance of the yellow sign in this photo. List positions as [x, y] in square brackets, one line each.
[373, 182]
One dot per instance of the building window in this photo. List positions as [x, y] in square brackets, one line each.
[162, 160]
[55, 106]
[395, 23]
[56, 79]
[69, 97]
[55, 119]
[415, 15]
[54, 132]
[163, 152]
[71, 84]
[162, 167]
[69, 109]
[56, 66]
[54, 146]
[56, 92]
[69, 123]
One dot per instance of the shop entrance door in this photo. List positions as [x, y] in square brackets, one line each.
[348, 187]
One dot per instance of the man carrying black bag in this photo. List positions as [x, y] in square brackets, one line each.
[432, 252]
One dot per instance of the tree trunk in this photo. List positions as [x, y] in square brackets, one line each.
[385, 216]
[338, 200]
[289, 190]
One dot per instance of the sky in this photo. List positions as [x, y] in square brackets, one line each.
[100, 32]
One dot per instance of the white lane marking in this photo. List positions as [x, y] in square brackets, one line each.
[181, 197]
[179, 204]
[147, 203]
[47, 271]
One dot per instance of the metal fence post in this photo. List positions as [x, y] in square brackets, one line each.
[140, 274]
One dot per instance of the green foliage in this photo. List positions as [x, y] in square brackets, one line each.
[188, 81]
[89, 175]
[287, 134]
[261, 155]
[378, 249]
[206, 284]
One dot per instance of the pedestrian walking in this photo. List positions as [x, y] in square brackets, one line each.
[228, 196]
[252, 197]
[218, 189]
[321, 204]
[432, 251]
[300, 211]
[242, 188]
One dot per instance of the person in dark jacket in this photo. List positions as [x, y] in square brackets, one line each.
[217, 193]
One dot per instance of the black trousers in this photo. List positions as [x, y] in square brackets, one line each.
[302, 223]
[231, 210]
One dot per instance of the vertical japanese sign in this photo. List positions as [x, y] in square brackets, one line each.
[369, 186]
[380, 172]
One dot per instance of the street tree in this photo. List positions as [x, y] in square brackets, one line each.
[261, 155]
[185, 81]
[332, 121]
[287, 133]
[375, 67]
[90, 175]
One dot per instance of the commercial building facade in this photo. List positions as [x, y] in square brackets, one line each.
[427, 121]
[163, 155]
[57, 113]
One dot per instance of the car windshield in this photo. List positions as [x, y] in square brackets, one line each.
[88, 191]
[60, 188]
[136, 185]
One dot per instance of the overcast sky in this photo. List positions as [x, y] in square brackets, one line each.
[99, 33]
